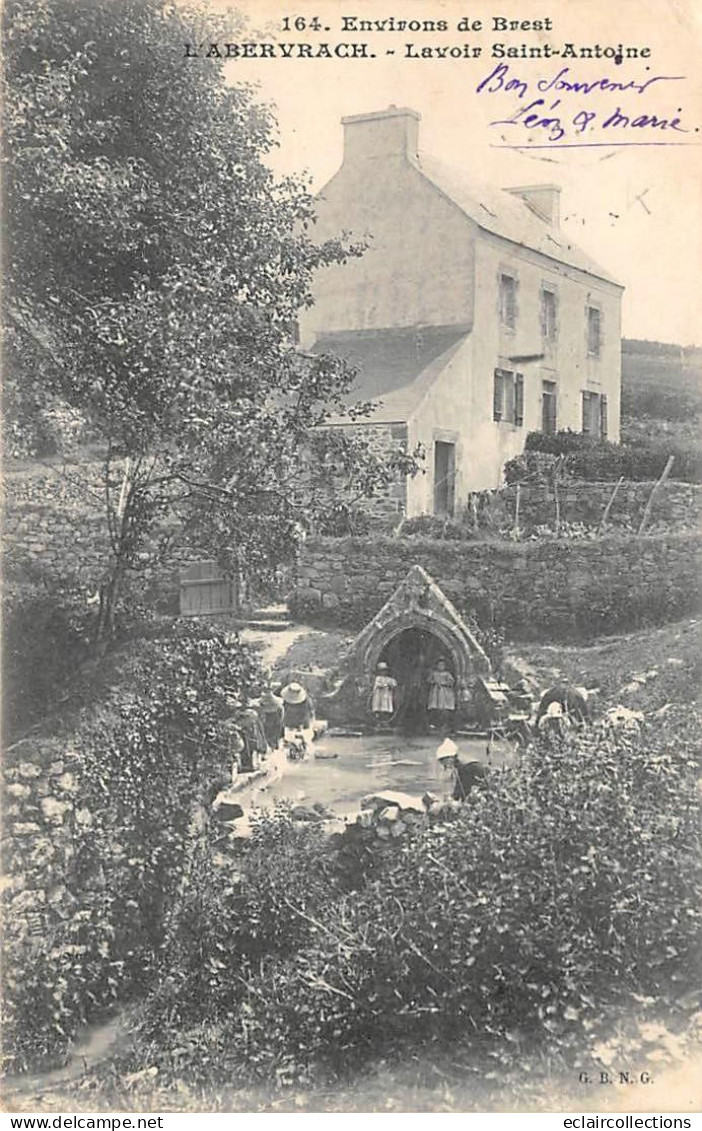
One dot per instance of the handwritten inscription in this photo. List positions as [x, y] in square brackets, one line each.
[559, 118]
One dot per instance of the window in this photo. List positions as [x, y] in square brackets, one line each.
[548, 315]
[594, 331]
[508, 301]
[508, 397]
[549, 408]
[595, 421]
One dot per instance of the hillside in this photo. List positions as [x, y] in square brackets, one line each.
[661, 389]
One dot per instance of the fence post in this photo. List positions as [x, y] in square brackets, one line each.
[608, 508]
[556, 497]
[654, 491]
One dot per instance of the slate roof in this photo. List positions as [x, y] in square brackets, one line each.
[395, 366]
[496, 210]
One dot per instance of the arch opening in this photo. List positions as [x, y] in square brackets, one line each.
[412, 654]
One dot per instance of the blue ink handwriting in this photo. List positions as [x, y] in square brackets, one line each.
[558, 120]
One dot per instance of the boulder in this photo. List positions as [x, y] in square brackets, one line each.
[306, 813]
[54, 811]
[391, 797]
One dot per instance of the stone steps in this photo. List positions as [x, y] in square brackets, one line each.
[270, 618]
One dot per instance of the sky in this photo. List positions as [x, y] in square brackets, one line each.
[636, 209]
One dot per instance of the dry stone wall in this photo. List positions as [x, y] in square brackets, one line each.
[540, 589]
[54, 527]
[53, 521]
[676, 506]
[42, 812]
[382, 439]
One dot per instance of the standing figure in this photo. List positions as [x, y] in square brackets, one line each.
[236, 751]
[255, 744]
[383, 698]
[298, 711]
[271, 715]
[441, 705]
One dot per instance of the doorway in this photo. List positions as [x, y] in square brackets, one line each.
[411, 656]
[444, 477]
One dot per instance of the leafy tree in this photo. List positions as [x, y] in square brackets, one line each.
[155, 269]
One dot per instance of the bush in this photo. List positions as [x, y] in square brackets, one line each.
[571, 885]
[242, 903]
[433, 526]
[308, 609]
[341, 520]
[583, 457]
[45, 639]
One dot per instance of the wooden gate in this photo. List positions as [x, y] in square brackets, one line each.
[204, 591]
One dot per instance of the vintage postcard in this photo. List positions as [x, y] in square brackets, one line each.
[352, 496]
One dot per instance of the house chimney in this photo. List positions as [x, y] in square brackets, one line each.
[544, 200]
[385, 133]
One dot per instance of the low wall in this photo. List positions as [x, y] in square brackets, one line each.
[544, 589]
[50, 904]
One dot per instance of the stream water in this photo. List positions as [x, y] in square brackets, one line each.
[349, 767]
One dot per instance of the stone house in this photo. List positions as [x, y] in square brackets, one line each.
[471, 318]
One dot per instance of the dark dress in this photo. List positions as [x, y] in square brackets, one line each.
[272, 723]
[254, 739]
[468, 774]
[298, 716]
[573, 703]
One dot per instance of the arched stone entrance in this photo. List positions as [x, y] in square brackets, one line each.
[420, 616]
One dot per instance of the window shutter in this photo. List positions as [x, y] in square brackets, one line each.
[497, 402]
[508, 387]
[519, 399]
[603, 417]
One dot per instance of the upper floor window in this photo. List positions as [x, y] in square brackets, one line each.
[549, 408]
[508, 397]
[508, 301]
[549, 308]
[594, 331]
[595, 421]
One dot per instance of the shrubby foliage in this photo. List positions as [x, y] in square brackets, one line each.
[572, 454]
[571, 885]
[146, 761]
[45, 638]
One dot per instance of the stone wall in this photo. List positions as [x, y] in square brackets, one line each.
[539, 589]
[42, 785]
[54, 526]
[676, 506]
[383, 438]
[53, 902]
[53, 520]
